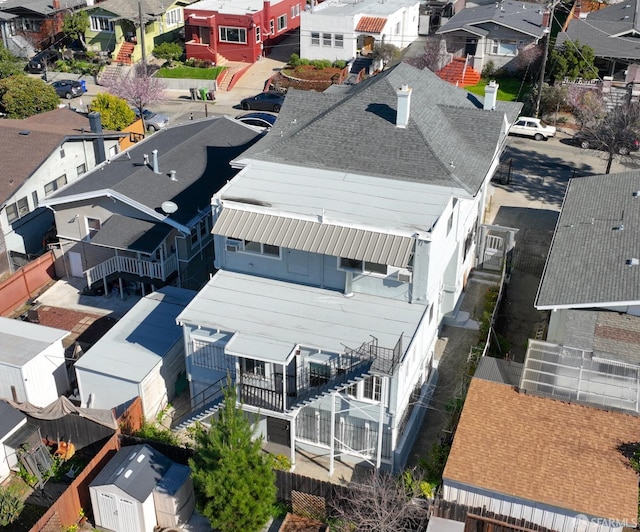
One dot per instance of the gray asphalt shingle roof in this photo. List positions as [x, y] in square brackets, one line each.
[612, 32]
[523, 17]
[129, 233]
[449, 141]
[42, 7]
[198, 151]
[598, 231]
[128, 9]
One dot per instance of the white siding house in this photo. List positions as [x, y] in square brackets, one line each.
[32, 363]
[142, 355]
[338, 259]
[338, 30]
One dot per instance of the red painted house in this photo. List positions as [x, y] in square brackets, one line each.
[216, 30]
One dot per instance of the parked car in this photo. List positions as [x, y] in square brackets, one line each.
[152, 121]
[67, 88]
[263, 120]
[586, 139]
[42, 61]
[265, 101]
[532, 127]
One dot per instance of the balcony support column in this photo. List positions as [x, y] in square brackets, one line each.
[292, 441]
[383, 396]
[332, 450]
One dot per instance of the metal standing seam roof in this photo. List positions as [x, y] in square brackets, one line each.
[20, 341]
[315, 237]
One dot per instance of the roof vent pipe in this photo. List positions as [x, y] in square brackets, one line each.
[404, 106]
[154, 154]
[145, 159]
[172, 175]
[95, 123]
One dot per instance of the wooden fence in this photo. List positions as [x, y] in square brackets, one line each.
[26, 283]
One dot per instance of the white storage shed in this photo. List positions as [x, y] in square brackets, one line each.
[11, 421]
[32, 364]
[141, 355]
[124, 493]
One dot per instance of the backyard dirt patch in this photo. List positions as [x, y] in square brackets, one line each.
[306, 77]
[296, 523]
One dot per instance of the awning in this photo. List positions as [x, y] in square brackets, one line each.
[315, 237]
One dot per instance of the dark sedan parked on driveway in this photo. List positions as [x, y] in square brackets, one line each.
[265, 101]
[66, 88]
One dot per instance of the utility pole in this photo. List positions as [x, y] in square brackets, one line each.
[543, 67]
[144, 52]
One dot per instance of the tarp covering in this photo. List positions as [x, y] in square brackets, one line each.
[62, 407]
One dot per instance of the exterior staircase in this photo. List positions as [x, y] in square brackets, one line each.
[459, 73]
[110, 74]
[359, 64]
[125, 53]
[232, 67]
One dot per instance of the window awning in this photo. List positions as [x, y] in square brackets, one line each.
[315, 237]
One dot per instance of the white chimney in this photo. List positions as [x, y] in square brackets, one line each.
[156, 170]
[490, 96]
[404, 106]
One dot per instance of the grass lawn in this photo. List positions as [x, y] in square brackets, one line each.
[509, 89]
[189, 72]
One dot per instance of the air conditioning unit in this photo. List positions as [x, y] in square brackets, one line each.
[404, 276]
[233, 246]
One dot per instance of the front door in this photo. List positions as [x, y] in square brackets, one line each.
[470, 46]
[75, 264]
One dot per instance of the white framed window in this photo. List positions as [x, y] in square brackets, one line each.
[29, 25]
[34, 198]
[18, 209]
[261, 249]
[229, 34]
[372, 388]
[398, 28]
[257, 33]
[338, 40]
[360, 266]
[99, 23]
[55, 184]
[326, 39]
[93, 226]
[506, 47]
[272, 29]
[113, 151]
[297, 10]
[174, 17]
[282, 22]
[194, 236]
[81, 169]
[12, 212]
[62, 154]
[315, 38]
[257, 367]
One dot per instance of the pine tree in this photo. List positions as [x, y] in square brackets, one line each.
[232, 477]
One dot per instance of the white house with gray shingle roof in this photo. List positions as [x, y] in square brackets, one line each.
[496, 32]
[343, 241]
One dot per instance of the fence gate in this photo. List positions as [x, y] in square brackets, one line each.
[493, 253]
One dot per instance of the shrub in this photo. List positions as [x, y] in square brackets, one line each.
[149, 431]
[198, 63]
[294, 60]
[321, 64]
[281, 462]
[489, 69]
[11, 505]
[171, 51]
[114, 111]
[339, 64]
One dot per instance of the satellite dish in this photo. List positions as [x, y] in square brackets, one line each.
[169, 207]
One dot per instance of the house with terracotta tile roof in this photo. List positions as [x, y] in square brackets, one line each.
[548, 462]
[342, 30]
[41, 154]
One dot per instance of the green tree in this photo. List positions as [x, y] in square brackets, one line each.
[10, 65]
[22, 96]
[170, 51]
[386, 53]
[75, 25]
[572, 60]
[232, 477]
[115, 112]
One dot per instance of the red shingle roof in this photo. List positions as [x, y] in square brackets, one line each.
[544, 450]
[371, 24]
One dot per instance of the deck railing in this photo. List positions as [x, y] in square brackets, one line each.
[143, 268]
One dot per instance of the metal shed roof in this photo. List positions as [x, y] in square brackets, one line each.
[21, 341]
[315, 237]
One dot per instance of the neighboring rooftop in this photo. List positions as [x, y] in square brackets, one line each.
[42, 7]
[229, 7]
[20, 341]
[198, 151]
[499, 370]
[269, 318]
[133, 346]
[26, 143]
[373, 8]
[538, 449]
[524, 17]
[130, 10]
[450, 140]
[10, 418]
[612, 31]
[594, 259]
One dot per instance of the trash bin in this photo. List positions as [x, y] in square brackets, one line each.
[194, 93]
[211, 95]
[203, 93]
[83, 84]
